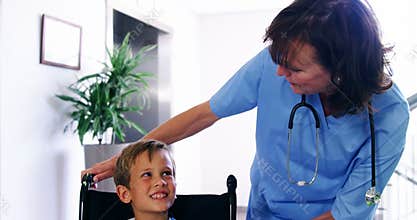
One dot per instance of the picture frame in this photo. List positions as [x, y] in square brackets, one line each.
[60, 43]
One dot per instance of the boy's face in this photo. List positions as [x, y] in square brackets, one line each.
[152, 183]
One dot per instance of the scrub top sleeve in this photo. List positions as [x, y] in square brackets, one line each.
[240, 93]
[350, 200]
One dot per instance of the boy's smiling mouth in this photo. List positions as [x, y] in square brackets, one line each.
[159, 195]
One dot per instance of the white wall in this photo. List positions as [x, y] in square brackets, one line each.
[399, 28]
[2, 64]
[40, 166]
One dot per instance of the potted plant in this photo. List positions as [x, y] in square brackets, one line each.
[100, 100]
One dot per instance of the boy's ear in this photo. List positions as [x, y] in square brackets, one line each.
[123, 193]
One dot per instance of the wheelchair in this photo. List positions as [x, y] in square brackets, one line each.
[96, 205]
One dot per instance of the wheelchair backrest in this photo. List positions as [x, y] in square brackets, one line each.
[96, 205]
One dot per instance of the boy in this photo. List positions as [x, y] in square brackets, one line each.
[145, 178]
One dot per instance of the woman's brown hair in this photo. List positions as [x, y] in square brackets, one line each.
[346, 38]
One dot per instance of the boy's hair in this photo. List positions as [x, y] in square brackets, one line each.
[128, 157]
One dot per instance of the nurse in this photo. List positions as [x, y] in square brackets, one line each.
[330, 51]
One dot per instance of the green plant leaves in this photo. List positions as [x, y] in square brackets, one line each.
[99, 100]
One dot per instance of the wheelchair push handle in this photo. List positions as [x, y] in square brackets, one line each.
[231, 183]
[231, 189]
[87, 180]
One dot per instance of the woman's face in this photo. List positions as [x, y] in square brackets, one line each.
[303, 73]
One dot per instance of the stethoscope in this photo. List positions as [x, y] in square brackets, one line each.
[372, 197]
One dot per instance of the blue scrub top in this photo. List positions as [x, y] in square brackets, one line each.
[344, 169]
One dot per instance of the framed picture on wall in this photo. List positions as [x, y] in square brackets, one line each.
[60, 43]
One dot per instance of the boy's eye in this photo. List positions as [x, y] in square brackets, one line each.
[147, 174]
[167, 173]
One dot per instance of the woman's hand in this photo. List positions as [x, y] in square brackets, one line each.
[325, 216]
[102, 170]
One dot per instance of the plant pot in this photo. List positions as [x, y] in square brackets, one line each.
[95, 153]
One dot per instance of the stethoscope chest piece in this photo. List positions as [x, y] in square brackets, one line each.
[372, 197]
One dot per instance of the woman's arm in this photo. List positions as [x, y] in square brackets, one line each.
[177, 128]
[184, 125]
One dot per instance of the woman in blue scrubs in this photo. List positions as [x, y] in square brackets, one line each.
[329, 50]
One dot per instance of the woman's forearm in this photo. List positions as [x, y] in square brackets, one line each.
[184, 125]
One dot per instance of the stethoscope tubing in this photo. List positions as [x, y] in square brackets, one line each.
[303, 103]
[372, 196]
[372, 127]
